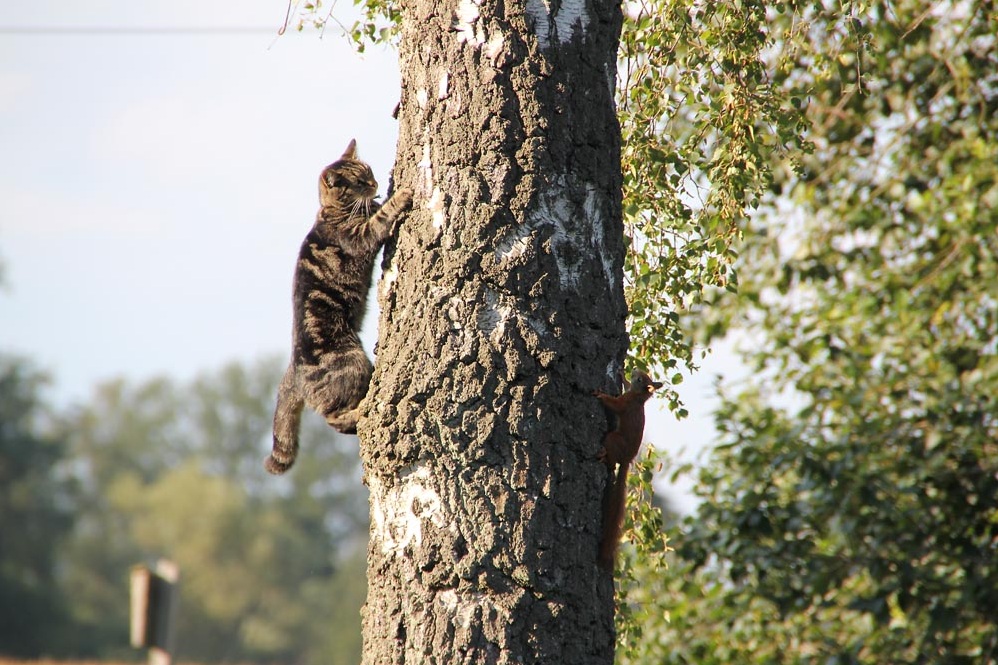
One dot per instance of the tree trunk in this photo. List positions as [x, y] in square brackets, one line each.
[502, 309]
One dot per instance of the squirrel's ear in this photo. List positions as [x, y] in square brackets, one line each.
[623, 379]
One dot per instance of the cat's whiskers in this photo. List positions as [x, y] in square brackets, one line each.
[355, 208]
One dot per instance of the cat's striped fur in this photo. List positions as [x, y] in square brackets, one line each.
[329, 371]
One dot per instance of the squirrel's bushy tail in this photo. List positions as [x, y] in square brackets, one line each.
[614, 499]
[287, 418]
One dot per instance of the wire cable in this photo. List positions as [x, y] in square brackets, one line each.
[133, 30]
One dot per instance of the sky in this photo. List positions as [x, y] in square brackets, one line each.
[155, 185]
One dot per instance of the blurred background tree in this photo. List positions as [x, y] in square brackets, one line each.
[176, 471]
[270, 569]
[35, 515]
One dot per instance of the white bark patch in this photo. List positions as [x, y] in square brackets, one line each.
[613, 372]
[443, 86]
[555, 210]
[574, 236]
[515, 244]
[398, 512]
[388, 278]
[538, 326]
[611, 81]
[461, 607]
[434, 197]
[594, 213]
[493, 316]
[435, 205]
[498, 312]
[565, 250]
[425, 166]
[455, 313]
[494, 47]
[562, 23]
[538, 9]
[467, 25]
[422, 98]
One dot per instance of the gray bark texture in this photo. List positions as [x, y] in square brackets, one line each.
[502, 310]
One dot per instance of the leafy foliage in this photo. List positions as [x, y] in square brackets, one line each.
[849, 513]
[705, 126]
[374, 21]
[701, 120]
[641, 564]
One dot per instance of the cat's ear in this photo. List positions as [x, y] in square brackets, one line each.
[351, 151]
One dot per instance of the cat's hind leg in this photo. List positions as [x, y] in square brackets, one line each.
[345, 422]
[343, 383]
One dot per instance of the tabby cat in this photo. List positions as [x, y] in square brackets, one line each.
[329, 370]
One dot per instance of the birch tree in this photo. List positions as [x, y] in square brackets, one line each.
[502, 308]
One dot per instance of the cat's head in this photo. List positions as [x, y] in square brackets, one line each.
[347, 180]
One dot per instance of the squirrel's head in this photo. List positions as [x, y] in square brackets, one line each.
[642, 383]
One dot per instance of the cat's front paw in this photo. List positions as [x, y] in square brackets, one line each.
[403, 196]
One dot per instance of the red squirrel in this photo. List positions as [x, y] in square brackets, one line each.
[620, 447]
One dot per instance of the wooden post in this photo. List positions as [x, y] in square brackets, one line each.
[153, 609]
[140, 582]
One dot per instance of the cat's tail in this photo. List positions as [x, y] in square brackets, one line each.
[287, 418]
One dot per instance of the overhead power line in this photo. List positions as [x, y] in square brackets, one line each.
[134, 30]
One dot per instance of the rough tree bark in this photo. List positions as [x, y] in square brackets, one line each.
[502, 309]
